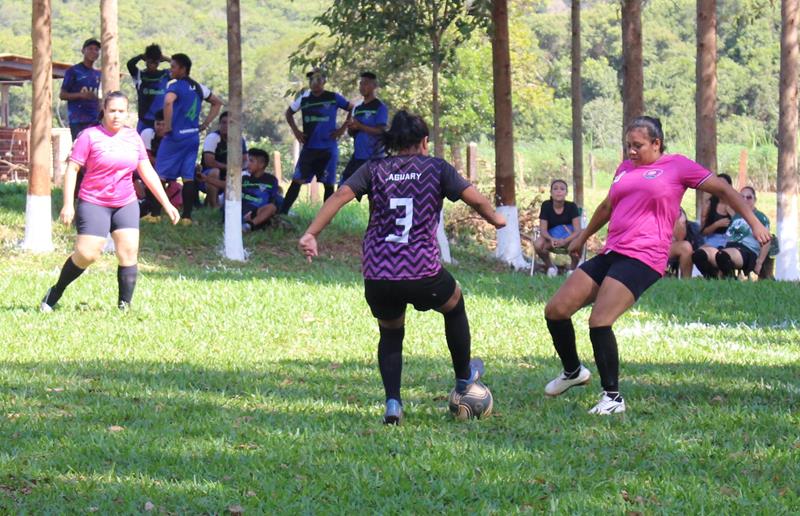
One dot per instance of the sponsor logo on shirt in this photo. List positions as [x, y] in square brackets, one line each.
[652, 174]
[311, 118]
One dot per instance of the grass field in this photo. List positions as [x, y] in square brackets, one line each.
[255, 387]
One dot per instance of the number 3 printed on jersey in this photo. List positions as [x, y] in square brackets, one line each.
[405, 221]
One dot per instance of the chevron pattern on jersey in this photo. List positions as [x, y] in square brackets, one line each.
[416, 182]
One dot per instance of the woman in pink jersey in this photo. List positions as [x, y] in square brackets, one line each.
[400, 259]
[641, 207]
[107, 202]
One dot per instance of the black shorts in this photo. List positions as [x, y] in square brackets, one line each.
[749, 258]
[633, 273]
[310, 163]
[96, 220]
[387, 299]
[352, 165]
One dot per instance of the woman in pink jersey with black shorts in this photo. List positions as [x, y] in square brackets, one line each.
[641, 207]
[107, 202]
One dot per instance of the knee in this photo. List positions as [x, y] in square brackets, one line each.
[725, 262]
[556, 311]
[85, 257]
[599, 320]
[684, 249]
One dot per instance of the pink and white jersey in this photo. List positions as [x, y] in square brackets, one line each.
[645, 202]
[110, 160]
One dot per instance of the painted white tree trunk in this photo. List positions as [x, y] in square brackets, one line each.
[509, 245]
[234, 247]
[441, 238]
[786, 265]
[38, 224]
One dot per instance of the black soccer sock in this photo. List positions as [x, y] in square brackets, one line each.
[725, 264]
[606, 356]
[291, 196]
[456, 330]
[563, 334]
[328, 192]
[188, 196]
[126, 280]
[390, 360]
[69, 273]
[700, 260]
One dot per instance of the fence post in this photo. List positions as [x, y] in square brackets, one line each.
[472, 162]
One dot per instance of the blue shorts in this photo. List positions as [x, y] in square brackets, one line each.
[319, 163]
[561, 232]
[176, 158]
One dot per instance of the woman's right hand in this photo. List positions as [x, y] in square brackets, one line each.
[575, 246]
[67, 214]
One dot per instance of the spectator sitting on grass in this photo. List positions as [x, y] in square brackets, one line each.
[741, 250]
[686, 238]
[215, 159]
[261, 194]
[559, 223]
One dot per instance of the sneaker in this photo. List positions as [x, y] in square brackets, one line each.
[394, 412]
[152, 218]
[475, 372]
[247, 227]
[552, 272]
[560, 384]
[45, 306]
[185, 221]
[608, 405]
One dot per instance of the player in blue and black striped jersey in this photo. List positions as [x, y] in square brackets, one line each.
[319, 135]
[369, 120]
[151, 85]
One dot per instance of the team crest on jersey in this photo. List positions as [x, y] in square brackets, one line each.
[652, 174]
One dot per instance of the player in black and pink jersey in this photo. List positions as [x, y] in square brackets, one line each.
[401, 262]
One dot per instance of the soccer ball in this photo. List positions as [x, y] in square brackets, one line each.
[475, 403]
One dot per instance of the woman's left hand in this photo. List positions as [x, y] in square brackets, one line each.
[172, 213]
[308, 245]
[762, 234]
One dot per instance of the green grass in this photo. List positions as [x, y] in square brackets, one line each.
[256, 385]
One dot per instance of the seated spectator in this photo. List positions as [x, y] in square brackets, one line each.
[559, 223]
[716, 218]
[741, 250]
[152, 136]
[261, 194]
[686, 238]
[215, 159]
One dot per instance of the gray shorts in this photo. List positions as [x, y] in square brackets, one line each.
[96, 220]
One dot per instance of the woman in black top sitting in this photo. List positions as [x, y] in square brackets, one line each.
[716, 218]
[559, 224]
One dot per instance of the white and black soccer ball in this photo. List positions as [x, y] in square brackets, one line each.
[477, 402]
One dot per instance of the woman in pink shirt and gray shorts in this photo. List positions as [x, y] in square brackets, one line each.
[107, 202]
[640, 209]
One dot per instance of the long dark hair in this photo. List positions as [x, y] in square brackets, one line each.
[407, 130]
[713, 202]
[653, 127]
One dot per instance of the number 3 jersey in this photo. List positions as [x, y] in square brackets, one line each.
[406, 195]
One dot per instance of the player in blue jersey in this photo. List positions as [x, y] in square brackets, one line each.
[369, 120]
[151, 85]
[177, 153]
[80, 87]
[319, 108]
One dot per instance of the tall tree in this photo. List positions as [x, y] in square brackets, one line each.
[109, 41]
[509, 247]
[577, 105]
[787, 268]
[397, 34]
[234, 248]
[706, 93]
[38, 218]
[632, 63]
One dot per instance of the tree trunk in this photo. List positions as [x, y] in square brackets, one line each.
[110, 45]
[787, 265]
[38, 217]
[706, 96]
[234, 249]
[577, 106]
[436, 65]
[632, 68]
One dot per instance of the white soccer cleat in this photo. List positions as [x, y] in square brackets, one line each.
[608, 405]
[44, 307]
[561, 383]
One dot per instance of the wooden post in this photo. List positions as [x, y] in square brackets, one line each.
[742, 180]
[109, 45]
[277, 167]
[520, 167]
[787, 261]
[577, 106]
[458, 160]
[632, 64]
[4, 102]
[38, 221]
[472, 162]
[234, 248]
[706, 96]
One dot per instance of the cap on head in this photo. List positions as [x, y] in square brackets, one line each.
[91, 41]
